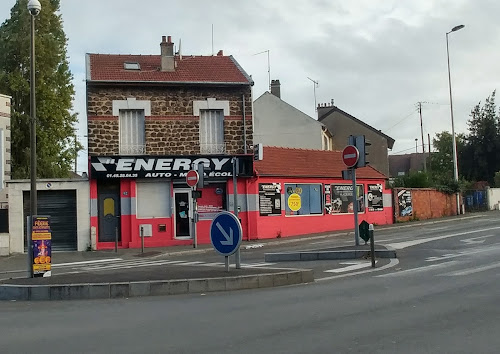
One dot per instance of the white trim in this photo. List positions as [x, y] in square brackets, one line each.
[131, 103]
[210, 103]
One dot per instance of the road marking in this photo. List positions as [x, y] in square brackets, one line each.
[417, 270]
[472, 270]
[392, 262]
[486, 249]
[86, 262]
[256, 265]
[474, 240]
[401, 245]
[350, 266]
[257, 245]
[127, 265]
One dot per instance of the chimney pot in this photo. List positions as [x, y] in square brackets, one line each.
[276, 88]
[220, 53]
[163, 39]
[167, 54]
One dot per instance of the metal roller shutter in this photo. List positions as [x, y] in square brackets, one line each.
[61, 206]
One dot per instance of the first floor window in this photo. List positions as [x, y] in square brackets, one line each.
[212, 131]
[132, 136]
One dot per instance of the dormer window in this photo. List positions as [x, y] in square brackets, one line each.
[131, 66]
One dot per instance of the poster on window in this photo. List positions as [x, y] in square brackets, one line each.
[375, 197]
[342, 201]
[404, 201]
[269, 199]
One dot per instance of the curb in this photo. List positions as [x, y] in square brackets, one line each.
[151, 288]
[325, 255]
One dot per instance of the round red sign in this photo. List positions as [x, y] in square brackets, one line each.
[192, 178]
[350, 155]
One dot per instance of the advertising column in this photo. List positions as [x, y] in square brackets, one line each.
[41, 236]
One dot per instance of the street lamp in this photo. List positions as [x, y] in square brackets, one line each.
[455, 163]
[34, 8]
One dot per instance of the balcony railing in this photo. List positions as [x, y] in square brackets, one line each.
[132, 149]
[213, 148]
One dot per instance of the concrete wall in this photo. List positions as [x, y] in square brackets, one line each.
[427, 204]
[16, 222]
[493, 195]
[276, 123]
[4, 147]
[4, 244]
[342, 126]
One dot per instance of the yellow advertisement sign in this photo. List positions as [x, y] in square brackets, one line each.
[294, 202]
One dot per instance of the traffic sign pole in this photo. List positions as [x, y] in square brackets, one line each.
[355, 207]
[225, 234]
[235, 194]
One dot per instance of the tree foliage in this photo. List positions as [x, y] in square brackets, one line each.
[54, 90]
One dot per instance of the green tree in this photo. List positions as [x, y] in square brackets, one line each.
[54, 90]
[483, 141]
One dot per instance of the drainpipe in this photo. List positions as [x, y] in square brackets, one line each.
[244, 128]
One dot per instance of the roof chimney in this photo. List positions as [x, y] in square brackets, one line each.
[275, 88]
[167, 54]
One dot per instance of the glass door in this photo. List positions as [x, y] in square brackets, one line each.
[182, 209]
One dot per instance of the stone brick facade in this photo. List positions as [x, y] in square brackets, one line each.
[172, 129]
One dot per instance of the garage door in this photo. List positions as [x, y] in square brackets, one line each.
[61, 206]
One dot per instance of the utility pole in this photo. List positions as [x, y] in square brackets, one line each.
[422, 133]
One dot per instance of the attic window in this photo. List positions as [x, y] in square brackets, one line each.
[131, 66]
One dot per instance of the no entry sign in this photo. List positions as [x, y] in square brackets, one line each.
[350, 155]
[192, 178]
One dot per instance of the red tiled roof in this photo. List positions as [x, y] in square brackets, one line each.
[205, 69]
[288, 162]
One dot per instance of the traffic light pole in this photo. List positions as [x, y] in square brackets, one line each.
[355, 207]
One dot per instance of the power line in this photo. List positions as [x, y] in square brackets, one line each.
[409, 115]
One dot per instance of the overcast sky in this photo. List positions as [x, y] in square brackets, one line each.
[375, 59]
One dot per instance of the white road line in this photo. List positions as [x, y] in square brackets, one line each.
[484, 249]
[392, 262]
[192, 263]
[417, 270]
[350, 266]
[86, 262]
[133, 264]
[256, 265]
[216, 264]
[472, 270]
[401, 245]
[473, 240]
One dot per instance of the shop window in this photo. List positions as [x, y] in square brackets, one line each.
[303, 199]
[153, 199]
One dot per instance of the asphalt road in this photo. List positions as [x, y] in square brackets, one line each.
[442, 297]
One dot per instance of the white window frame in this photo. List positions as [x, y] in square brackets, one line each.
[131, 103]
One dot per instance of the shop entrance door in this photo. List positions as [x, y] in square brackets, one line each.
[183, 214]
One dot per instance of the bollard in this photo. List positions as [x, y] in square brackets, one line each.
[142, 239]
[372, 244]
[116, 240]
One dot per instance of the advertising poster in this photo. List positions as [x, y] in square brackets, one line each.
[375, 197]
[328, 199]
[269, 199]
[342, 201]
[41, 236]
[404, 201]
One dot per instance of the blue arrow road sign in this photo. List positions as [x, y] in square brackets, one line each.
[225, 233]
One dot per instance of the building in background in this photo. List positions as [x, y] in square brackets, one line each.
[5, 169]
[402, 165]
[277, 123]
[342, 124]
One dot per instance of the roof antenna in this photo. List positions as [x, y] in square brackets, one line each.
[268, 66]
[316, 84]
[212, 39]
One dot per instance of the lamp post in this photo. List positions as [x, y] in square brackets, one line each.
[34, 8]
[455, 162]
